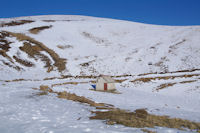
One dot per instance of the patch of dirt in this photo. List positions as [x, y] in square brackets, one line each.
[49, 20]
[64, 46]
[59, 62]
[174, 46]
[23, 62]
[162, 86]
[94, 38]
[188, 81]
[17, 80]
[148, 79]
[141, 119]
[36, 30]
[65, 83]
[17, 22]
[179, 71]
[161, 64]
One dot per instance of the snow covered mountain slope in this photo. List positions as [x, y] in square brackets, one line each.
[157, 68]
[93, 46]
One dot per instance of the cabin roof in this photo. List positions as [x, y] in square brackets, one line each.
[108, 79]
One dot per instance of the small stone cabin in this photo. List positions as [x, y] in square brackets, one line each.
[105, 83]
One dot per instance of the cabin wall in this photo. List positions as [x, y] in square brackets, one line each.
[100, 86]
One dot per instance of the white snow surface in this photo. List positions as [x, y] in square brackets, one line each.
[110, 47]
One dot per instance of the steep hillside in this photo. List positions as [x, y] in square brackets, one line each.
[77, 45]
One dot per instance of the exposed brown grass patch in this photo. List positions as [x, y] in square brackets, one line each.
[64, 46]
[34, 52]
[5, 46]
[73, 97]
[188, 81]
[141, 119]
[85, 77]
[36, 30]
[179, 71]
[81, 99]
[59, 62]
[138, 119]
[162, 86]
[17, 22]
[49, 20]
[23, 62]
[148, 79]
[17, 80]
[65, 83]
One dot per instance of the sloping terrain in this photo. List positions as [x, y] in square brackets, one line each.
[157, 69]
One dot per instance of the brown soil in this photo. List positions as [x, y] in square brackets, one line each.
[17, 22]
[59, 62]
[36, 30]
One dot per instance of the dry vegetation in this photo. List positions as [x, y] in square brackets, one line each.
[65, 83]
[73, 97]
[32, 50]
[4, 48]
[5, 45]
[64, 46]
[140, 118]
[180, 71]
[23, 62]
[36, 30]
[162, 86]
[148, 79]
[17, 22]
[49, 20]
[188, 81]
